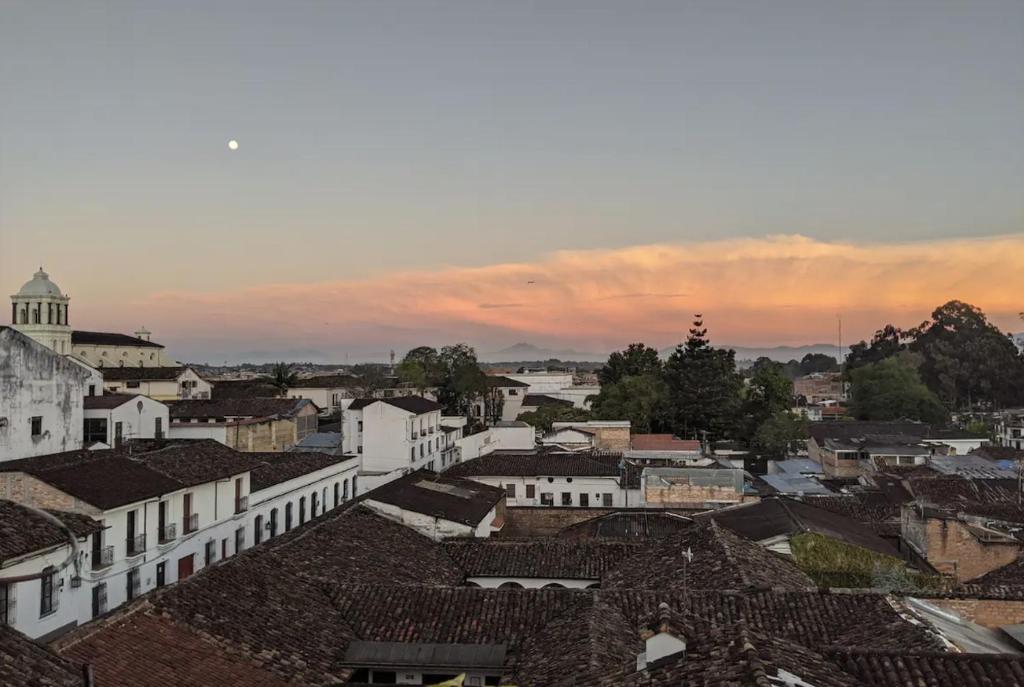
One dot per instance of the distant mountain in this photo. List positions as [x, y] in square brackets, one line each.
[524, 352]
[784, 354]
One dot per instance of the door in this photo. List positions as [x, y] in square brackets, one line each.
[186, 505]
[584, 500]
[118, 433]
[186, 566]
[161, 574]
[131, 533]
[158, 430]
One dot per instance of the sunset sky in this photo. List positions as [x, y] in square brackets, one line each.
[407, 169]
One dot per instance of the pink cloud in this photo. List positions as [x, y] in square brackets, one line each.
[777, 289]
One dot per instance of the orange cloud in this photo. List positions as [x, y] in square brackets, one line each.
[772, 290]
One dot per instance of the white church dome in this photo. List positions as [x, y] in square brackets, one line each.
[40, 286]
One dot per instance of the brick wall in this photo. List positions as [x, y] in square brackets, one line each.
[22, 488]
[692, 496]
[988, 612]
[612, 438]
[953, 550]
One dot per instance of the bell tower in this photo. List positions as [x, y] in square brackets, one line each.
[40, 311]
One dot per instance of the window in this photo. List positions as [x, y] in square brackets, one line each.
[132, 385]
[337, 494]
[302, 510]
[161, 574]
[273, 522]
[37, 425]
[354, 492]
[240, 540]
[566, 498]
[6, 605]
[421, 450]
[607, 501]
[344, 490]
[584, 500]
[158, 428]
[210, 554]
[99, 599]
[547, 499]
[288, 517]
[257, 530]
[95, 430]
[412, 455]
[531, 491]
[510, 491]
[118, 433]
[92, 389]
[359, 426]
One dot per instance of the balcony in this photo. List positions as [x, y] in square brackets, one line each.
[423, 432]
[414, 435]
[168, 533]
[105, 559]
[136, 545]
[431, 430]
[190, 523]
[241, 504]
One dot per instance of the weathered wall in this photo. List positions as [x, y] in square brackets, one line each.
[548, 522]
[36, 382]
[992, 613]
[692, 496]
[952, 549]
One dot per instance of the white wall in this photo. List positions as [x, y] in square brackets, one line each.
[36, 382]
[131, 356]
[435, 528]
[593, 487]
[198, 430]
[544, 382]
[134, 425]
[385, 439]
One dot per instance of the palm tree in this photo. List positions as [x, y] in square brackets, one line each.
[282, 376]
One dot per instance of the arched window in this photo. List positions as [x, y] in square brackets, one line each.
[302, 510]
[288, 517]
[354, 492]
[257, 530]
[273, 523]
[510, 585]
[344, 492]
[553, 585]
[337, 494]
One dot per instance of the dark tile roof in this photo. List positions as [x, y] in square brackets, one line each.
[236, 407]
[540, 464]
[721, 560]
[780, 516]
[224, 389]
[1010, 575]
[327, 382]
[411, 404]
[900, 669]
[275, 468]
[541, 400]
[849, 430]
[24, 663]
[627, 525]
[999, 453]
[576, 560]
[123, 374]
[109, 339]
[871, 508]
[289, 610]
[24, 531]
[107, 401]
[503, 382]
[138, 471]
[440, 496]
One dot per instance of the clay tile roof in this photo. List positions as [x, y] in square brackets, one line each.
[109, 339]
[541, 400]
[534, 464]
[416, 405]
[549, 558]
[721, 560]
[107, 401]
[123, 374]
[900, 669]
[275, 468]
[236, 407]
[24, 663]
[224, 389]
[455, 500]
[326, 382]
[663, 442]
[627, 525]
[23, 531]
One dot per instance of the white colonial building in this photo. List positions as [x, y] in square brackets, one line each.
[111, 419]
[162, 383]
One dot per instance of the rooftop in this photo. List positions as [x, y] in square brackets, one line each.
[326, 382]
[24, 531]
[275, 468]
[663, 442]
[24, 663]
[236, 408]
[122, 374]
[83, 338]
[541, 400]
[456, 500]
[108, 401]
[417, 405]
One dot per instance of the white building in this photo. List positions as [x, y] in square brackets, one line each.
[440, 507]
[41, 311]
[1010, 430]
[326, 391]
[162, 383]
[166, 511]
[503, 401]
[395, 436]
[112, 418]
[41, 398]
[557, 385]
[245, 424]
[554, 478]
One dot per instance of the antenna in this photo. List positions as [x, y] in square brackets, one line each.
[840, 359]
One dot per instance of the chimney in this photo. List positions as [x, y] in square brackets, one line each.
[661, 639]
[143, 334]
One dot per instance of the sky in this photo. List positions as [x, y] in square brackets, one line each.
[406, 169]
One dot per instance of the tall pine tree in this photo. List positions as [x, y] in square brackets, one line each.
[703, 385]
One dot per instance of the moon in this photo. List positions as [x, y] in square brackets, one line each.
[232, 144]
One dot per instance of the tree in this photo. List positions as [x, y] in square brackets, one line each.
[545, 416]
[641, 399]
[638, 359]
[891, 389]
[703, 386]
[966, 359]
[420, 368]
[769, 393]
[462, 380]
[371, 378]
[887, 342]
[283, 376]
[777, 436]
[817, 362]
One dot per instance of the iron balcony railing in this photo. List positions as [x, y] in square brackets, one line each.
[241, 504]
[168, 532]
[105, 559]
[190, 523]
[136, 545]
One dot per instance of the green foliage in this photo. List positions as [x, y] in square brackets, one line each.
[887, 342]
[371, 378]
[421, 367]
[779, 435]
[768, 393]
[462, 380]
[545, 416]
[641, 399]
[891, 389]
[283, 376]
[637, 360]
[703, 387]
[833, 563]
